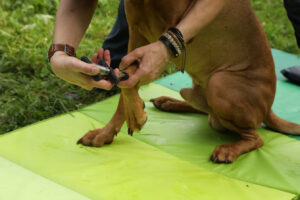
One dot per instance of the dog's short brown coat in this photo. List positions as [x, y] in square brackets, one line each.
[232, 69]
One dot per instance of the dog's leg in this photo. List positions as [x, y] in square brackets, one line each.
[215, 123]
[229, 152]
[99, 137]
[130, 108]
[134, 113]
[239, 107]
[169, 104]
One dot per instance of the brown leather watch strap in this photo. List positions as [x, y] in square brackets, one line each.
[68, 49]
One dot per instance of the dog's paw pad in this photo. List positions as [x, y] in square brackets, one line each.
[96, 138]
[223, 154]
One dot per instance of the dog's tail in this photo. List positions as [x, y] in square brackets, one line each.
[276, 123]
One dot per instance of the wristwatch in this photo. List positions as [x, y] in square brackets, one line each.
[68, 49]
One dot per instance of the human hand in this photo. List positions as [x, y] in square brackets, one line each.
[151, 59]
[78, 72]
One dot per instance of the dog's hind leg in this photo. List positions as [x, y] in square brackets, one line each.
[238, 107]
[227, 153]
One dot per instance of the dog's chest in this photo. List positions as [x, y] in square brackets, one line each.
[153, 17]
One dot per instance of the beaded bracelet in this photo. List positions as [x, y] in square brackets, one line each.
[173, 39]
[169, 44]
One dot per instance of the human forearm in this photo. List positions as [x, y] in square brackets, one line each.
[200, 15]
[72, 19]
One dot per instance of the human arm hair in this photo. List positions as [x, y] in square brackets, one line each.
[72, 19]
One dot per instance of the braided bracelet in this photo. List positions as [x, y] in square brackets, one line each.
[179, 35]
[169, 44]
[176, 40]
[173, 39]
[174, 43]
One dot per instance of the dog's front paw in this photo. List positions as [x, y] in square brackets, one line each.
[223, 154]
[135, 116]
[97, 137]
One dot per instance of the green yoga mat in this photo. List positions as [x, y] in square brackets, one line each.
[128, 169]
[169, 158]
[20, 183]
[189, 137]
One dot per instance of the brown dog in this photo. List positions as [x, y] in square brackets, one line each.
[232, 69]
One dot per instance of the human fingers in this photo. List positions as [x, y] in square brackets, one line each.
[107, 57]
[83, 81]
[100, 54]
[133, 79]
[117, 71]
[62, 64]
[87, 83]
[130, 58]
[103, 84]
[85, 68]
[95, 58]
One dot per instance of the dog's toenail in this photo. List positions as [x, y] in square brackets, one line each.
[116, 132]
[130, 132]
[79, 141]
[144, 105]
[108, 142]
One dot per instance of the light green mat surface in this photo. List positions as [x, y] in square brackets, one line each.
[128, 169]
[18, 183]
[189, 137]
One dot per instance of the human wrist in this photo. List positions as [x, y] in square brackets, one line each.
[67, 49]
[165, 50]
[173, 40]
[58, 54]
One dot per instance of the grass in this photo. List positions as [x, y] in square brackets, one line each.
[276, 24]
[29, 92]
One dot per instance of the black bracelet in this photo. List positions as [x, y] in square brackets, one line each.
[179, 35]
[166, 41]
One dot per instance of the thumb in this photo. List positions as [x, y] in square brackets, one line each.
[85, 68]
[129, 59]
